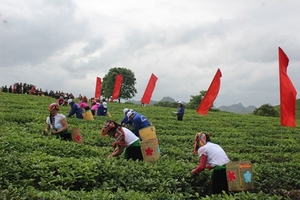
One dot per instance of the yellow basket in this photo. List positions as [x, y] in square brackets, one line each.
[148, 133]
[88, 115]
[108, 115]
[150, 150]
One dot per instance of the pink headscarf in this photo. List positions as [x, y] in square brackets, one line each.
[200, 140]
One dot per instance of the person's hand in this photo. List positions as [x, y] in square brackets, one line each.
[209, 167]
[45, 132]
[110, 156]
[193, 172]
[53, 133]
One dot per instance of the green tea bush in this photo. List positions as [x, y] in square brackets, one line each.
[34, 166]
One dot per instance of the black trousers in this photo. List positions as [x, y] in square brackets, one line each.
[219, 181]
[66, 136]
[134, 153]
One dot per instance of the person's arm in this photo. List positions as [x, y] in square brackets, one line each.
[129, 123]
[124, 120]
[136, 126]
[72, 111]
[201, 166]
[47, 129]
[117, 151]
[63, 129]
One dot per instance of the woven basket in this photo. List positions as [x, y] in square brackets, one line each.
[88, 115]
[239, 176]
[76, 135]
[148, 133]
[150, 150]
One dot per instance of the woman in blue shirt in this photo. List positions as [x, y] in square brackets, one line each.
[139, 121]
[180, 111]
[75, 109]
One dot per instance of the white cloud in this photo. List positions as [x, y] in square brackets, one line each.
[64, 45]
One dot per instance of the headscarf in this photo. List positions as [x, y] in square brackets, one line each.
[119, 136]
[200, 140]
[108, 125]
[53, 106]
[85, 99]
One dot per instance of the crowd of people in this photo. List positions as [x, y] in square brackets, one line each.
[124, 139]
[25, 88]
[98, 107]
[126, 134]
[19, 88]
[127, 140]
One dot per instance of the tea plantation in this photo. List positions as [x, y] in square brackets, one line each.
[34, 166]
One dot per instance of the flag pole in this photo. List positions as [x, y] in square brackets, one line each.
[281, 133]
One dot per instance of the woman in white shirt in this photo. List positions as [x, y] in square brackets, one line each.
[212, 156]
[124, 139]
[57, 123]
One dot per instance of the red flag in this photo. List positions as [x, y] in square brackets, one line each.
[149, 89]
[211, 94]
[117, 88]
[98, 88]
[287, 93]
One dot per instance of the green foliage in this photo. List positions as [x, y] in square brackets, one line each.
[244, 196]
[34, 166]
[196, 100]
[298, 109]
[128, 89]
[266, 110]
[167, 104]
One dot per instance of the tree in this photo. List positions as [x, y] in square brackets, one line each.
[266, 110]
[128, 89]
[195, 100]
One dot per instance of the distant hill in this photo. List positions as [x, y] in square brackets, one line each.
[238, 108]
[235, 108]
[152, 102]
[168, 99]
[139, 102]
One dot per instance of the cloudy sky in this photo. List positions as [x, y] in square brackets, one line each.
[65, 44]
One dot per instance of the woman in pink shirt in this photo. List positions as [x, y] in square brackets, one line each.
[61, 101]
[95, 105]
[84, 104]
